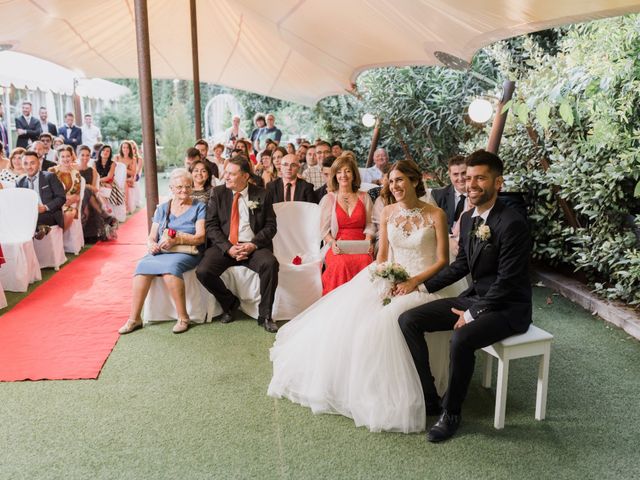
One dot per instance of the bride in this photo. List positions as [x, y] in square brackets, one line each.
[346, 354]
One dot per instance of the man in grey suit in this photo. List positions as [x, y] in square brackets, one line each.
[452, 198]
[50, 192]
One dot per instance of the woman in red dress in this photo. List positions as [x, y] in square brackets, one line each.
[346, 215]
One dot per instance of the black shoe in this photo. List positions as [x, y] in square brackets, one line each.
[227, 317]
[41, 232]
[268, 324]
[444, 428]
[434, 409]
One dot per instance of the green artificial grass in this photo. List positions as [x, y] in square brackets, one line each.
[194, 406]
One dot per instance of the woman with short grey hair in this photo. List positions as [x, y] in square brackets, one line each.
[175, 247]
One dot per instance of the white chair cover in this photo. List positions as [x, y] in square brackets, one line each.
[18, 218]
[3, 299]
[299, 286]
[7, 184]
[159, 307]
[73, 238]
[120, 177]
[50, 250]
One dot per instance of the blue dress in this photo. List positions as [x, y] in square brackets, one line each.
[173, 263]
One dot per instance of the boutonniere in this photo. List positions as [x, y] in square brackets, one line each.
[483, 233]
[252, 204]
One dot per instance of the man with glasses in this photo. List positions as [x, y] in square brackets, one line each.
[50, 155]
[288, 187]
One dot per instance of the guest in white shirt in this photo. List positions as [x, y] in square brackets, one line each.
[380, 162]
[50, 155]
[90, 133]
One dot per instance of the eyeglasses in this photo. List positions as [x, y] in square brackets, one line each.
[182, 187]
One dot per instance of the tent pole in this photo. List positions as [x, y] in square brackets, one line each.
[374, 142]
[196, 69]
[146, 107]
[7, 118]
[501, 117]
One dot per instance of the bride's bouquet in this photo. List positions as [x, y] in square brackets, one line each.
[385, 276]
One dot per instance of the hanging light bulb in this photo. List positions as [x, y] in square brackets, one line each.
[480, 110]
[368, 120]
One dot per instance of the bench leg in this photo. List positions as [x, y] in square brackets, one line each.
[543, 382]
[501, 393]
[488, 370]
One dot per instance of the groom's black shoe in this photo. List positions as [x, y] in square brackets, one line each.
[444, 428]
[227, 317]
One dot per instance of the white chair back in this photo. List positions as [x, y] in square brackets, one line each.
[18, 214]
[120, 175]
[7, 184]
[298, 229]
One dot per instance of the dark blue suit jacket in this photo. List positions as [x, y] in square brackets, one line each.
[74, 138]
[33, 129]
[52, 193]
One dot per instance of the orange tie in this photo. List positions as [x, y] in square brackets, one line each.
[235, 220]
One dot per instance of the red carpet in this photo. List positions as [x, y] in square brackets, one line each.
[67, 327]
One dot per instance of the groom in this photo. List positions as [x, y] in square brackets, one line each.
[494, 247]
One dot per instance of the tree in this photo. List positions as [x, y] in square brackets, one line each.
[176, 135]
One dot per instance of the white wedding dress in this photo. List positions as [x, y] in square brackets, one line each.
[346, 354]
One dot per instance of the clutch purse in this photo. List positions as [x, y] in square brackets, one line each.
[353, 246]
[188, 249]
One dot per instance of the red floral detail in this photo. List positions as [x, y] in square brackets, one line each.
[172, 233]
[297, 260]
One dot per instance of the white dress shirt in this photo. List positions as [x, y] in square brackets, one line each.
[467, 315]
[245, 234]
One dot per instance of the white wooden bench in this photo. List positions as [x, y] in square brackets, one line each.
[530, 344]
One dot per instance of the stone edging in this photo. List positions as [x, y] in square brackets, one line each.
[616, 313]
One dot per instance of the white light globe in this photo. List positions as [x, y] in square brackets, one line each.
[480, 110]
[368, 120]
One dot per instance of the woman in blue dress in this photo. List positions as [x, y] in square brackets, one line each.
[177, 224]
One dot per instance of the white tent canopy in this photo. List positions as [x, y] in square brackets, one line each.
[31, 73]
[299, 50]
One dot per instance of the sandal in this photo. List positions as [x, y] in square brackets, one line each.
[129, 327]
[182, 325]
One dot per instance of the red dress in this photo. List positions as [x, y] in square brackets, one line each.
[1, 256]
[342, 268]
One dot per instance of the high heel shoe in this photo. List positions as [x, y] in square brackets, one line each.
[129, 327]
[182, 325]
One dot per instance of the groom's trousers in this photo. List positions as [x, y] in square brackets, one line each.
[437, 316]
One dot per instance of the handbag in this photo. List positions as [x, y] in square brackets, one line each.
[116, 197]
[188, 249]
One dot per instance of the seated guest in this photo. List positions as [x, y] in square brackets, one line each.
[70, 178]
[266, 169]
[291, 148]
[4, 161]
[315, 156]
[40, 150]
[218, 159]
[180, 221]
[336, 148]
[106, 169]
[452, 198]
[289, 187]
[125, 155]
[203, 147]
[380, 164]
[346, 215]
[201, 174]
[70, 132]
[50, 154]
[96, 222]
[50, 193]
[383, 198]
[96, 149]
[57, 142]
[240, 224]
[301, 153]
[277, 155]
[326, 174]
[192, 155]
[15, 169]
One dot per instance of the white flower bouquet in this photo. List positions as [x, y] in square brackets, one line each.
[385, 276]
